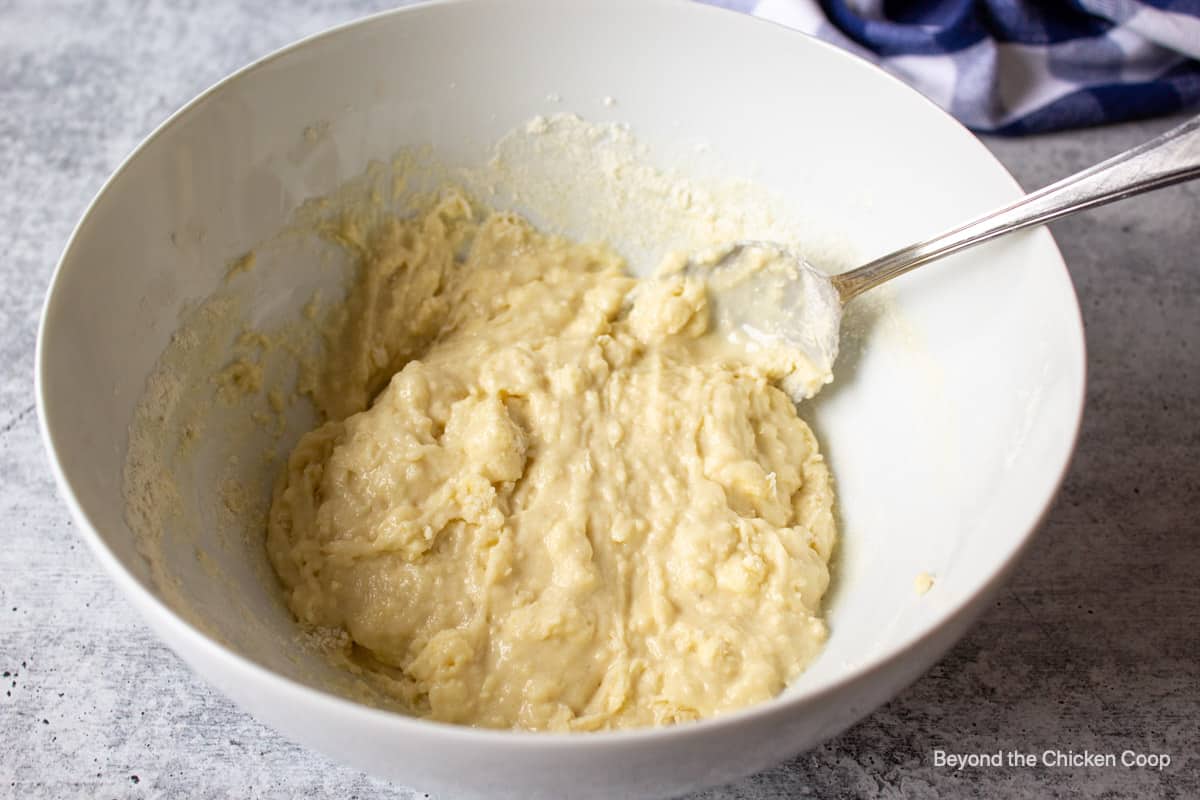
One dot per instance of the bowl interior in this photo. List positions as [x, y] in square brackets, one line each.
[957, 397]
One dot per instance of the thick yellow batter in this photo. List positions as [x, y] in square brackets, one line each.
[545, 498]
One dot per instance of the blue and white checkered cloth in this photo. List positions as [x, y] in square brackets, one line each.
[1013, 66]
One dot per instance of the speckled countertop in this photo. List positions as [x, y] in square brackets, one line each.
[1094, 644]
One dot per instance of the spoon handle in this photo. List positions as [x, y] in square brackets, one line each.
[1170, 158]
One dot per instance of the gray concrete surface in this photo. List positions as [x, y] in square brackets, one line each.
[1095, 643]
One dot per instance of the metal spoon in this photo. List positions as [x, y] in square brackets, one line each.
[774, 297]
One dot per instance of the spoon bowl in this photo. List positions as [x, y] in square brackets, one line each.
[765, 296]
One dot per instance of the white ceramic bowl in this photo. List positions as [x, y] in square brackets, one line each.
[948, 442]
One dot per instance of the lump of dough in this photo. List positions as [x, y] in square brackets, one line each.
[563, 509]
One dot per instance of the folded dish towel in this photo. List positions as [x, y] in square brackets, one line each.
[1015, 66]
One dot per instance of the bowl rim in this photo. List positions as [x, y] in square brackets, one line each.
[157, 612]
